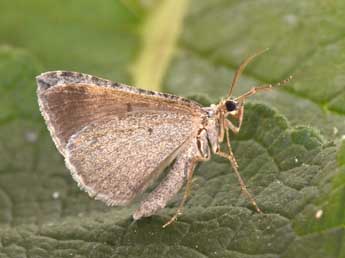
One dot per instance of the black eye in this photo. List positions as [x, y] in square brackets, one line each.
[230, 105]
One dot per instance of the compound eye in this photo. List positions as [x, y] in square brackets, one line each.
[230, 105]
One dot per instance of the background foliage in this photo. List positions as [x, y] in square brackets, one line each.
[290, 151]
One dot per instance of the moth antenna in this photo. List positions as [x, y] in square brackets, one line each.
[264, 87]
[241, 68]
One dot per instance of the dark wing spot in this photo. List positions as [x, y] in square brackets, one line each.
[141, 90]
[96, 81]
[43, 84]
[67, 74]
[129, 107]
[115, 84]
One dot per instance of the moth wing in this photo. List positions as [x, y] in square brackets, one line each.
[69, 101]
[116, 159]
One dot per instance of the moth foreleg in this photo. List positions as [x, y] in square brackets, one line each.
[230, 157]
[233, 162]
[229, 125]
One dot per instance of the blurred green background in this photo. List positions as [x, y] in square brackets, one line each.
[291, 150]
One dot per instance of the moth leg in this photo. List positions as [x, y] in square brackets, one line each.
[231, 157]
[235, 129]
[228, 156]
[229, 125]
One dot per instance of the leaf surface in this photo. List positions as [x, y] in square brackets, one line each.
[294, 168]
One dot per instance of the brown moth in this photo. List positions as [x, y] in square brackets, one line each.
[116, 139]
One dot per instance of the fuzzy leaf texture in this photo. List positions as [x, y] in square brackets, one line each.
[290, 148]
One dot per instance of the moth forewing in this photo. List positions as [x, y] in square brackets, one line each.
[116, 139]
[69, 101]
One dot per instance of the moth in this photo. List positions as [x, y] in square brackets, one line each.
[117, 139]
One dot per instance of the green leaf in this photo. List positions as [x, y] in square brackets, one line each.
[45, 215]
[305, 40]
[295, 172]
[99, 38]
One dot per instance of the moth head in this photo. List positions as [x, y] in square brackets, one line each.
[231, 107]
[232, 104]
